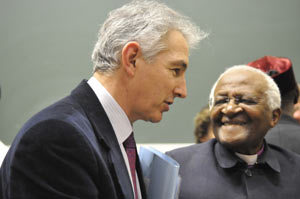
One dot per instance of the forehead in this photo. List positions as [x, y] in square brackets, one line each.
[241, 82]
[175, 39]
[177, 47]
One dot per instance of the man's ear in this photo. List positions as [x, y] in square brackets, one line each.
[275, 116]
[130, 52]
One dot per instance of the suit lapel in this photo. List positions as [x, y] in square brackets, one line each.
[105, 134]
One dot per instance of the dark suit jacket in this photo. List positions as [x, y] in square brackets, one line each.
[68, 150]
[286, 134]
[210, 171]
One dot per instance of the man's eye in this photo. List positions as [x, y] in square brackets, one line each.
[221, 101]
[176, 71]
[246, 101]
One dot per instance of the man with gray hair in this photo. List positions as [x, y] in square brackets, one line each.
[83, 145]
[239, 163]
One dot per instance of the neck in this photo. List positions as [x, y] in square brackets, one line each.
[288, 111]
[117, 87]
[250, 150]
[250, 159]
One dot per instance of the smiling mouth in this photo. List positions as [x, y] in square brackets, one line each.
[167, 106]
[233, 123]
[225, 121]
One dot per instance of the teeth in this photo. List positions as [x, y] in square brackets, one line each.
[234, 123]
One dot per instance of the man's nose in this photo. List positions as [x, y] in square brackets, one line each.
[231, 108]
[180, 90]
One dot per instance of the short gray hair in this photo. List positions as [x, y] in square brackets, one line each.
[272, 92]
[145, 22]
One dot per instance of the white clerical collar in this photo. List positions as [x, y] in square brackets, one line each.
[250, 159]
[115, 113]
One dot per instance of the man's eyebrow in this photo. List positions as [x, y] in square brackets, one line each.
[179, 63]
[221, 96]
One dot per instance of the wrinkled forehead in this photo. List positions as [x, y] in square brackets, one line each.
[243, 81]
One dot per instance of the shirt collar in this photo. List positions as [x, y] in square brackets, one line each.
[225, 158]
[115, 113]
[269, 158]
[250, 159]
[228, 159]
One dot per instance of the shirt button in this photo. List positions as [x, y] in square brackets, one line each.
[248, 172]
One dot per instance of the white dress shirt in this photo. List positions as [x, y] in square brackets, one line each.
[118, 119]
[3, 151]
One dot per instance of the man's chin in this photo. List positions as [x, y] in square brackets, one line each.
[232, 144]
[231, 138]
[156, 118]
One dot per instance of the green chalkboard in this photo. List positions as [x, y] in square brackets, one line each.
[45, 49]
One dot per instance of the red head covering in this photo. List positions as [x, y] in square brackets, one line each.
[280, 69]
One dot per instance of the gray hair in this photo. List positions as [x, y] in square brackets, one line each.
[272, 92]
[145, 22]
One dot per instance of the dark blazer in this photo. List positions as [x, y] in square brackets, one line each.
[210, 171]
[68, 150]
[286, 134]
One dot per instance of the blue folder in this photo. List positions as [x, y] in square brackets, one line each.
[161, 174]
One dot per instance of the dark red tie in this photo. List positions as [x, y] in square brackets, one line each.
[130, 148]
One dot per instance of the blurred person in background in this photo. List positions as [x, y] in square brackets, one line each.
[203, 129]
[296, 114]
[287, 132]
